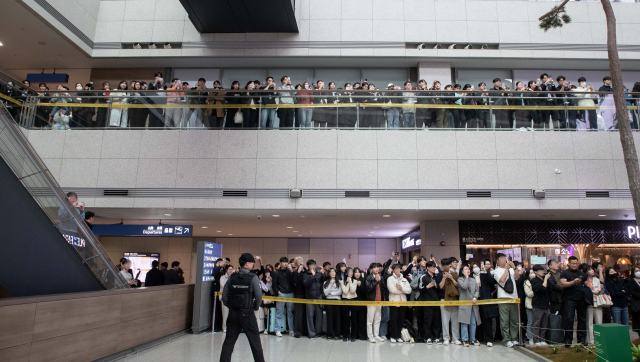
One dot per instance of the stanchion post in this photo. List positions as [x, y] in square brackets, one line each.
[519, 326]
[213, 318]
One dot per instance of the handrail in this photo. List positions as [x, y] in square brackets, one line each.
[25, 163]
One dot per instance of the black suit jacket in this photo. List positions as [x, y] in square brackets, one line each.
[154, 278]
[634, 290]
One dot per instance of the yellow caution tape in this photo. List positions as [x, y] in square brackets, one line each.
[10, 99]
[446, 303]
[338, 105]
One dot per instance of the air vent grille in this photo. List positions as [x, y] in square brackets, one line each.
[478, 193]
[597, 193]
[356, 194]
[115, 193]
[234, 193]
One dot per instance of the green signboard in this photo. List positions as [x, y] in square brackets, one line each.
[613, 343]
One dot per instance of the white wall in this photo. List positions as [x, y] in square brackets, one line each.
[81, 13]
[336, 160]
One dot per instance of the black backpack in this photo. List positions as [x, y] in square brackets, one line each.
[412, 331]
[508, 284]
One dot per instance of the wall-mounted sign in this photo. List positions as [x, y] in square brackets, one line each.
[74, 240]
[143, 230]
[634, 232]
[408, 242]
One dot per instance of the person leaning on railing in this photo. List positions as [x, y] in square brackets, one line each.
[233, 97]
[156, 116]
[585, 99]
[214, 117]
[250, 114]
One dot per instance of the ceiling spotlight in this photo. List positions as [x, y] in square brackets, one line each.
[495, 215]
[295, 231]
[602, 215]
[275, 215]
[152, 46]
[1, 44]
[167, 46]
[437, 46]
[485, 46]
[230, 234]
[375, 227]
[470, 46]
[453, 46]
[167, 214]
[289, 227]
[386, 215]
[219, 231]
[205, 227]
[302, 216]
[137, 46]
[422, 46]
[299, 235]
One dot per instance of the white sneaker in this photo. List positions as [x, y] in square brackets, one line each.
[543, 343]
[224, 331]
[400, 341]
[393, 340]
[457, 342]
[380, 339]
[278, 334]
[437, 341]
[383, 338]
[515, 343]
[509, 344]
[429, 341]
[446, 343]
[266, 332]
[531, 342]
[291, 334]
[372, 340]
[489, 344]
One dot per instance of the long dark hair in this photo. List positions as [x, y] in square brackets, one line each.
[346, 272]
[336, 281]
[636, 87]
[338, 267]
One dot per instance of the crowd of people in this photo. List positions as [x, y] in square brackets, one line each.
[160, 274]
[297, 106]
[552, 297]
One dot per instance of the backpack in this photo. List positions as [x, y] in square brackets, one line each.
[413, 333]
[508, 284]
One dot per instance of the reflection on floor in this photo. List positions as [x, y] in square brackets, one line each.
[206, 347]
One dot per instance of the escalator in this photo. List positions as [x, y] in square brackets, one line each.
[45, 246]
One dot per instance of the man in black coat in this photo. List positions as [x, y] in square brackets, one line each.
[283, 287]
[488, 312]
[312, 280]
[298, 292]
[172, 276]
[154, 276]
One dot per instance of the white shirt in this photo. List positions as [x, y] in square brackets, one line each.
[127, 276]
[501, 293]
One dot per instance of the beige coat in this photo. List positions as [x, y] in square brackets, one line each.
[396, 295]
[585, 99]
[528, 291]
[349, 289]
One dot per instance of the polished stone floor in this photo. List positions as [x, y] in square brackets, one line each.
[206, 347]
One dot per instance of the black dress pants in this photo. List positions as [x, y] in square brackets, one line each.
[298, 318]
[570, 308]
[286, 117]
[349, 323]
[431, 322]
[362, 322]
[237, 321]
[333, 320]
[396, 321]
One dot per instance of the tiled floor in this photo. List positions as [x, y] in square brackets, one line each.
[206, 347]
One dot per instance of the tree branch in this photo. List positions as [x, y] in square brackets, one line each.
[554, 10]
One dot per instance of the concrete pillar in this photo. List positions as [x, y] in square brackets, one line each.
[433, 232]
[431, 71]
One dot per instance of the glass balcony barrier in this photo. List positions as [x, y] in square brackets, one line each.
[323, 109]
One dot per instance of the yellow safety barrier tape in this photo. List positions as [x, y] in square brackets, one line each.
[449, 303]
[10, 99]
[339, 105]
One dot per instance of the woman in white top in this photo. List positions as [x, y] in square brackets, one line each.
[125, 265]
[594, 313]
[586, 99]
[226, 274]
[528, 291]
[332, 291]
[349, 324]
[119, 118]
[398, 287]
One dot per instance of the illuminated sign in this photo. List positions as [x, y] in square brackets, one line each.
[142, 230]
[408, 242]
[634, 232]
[74, 240]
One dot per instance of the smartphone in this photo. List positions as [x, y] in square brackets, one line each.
[344, 260]
[318, 268]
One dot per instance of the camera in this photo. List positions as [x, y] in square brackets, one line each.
[259, 217]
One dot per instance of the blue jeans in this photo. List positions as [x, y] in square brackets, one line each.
[409, 120]
[305, 117]
[529, 323]
[280, 312]
[384, 321]
[620, 315]
[393, 118]
[470, 328]
[267, 117]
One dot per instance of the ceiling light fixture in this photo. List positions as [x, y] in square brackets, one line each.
[219, 231]
[1, 44]
[205, 227]
[386, 215]
[167, 214]
[230, 234]
[602, 215]
[375, 227]
[289, 227]
[299, 235]
[295, 231]
[275, 215]
[495, 215]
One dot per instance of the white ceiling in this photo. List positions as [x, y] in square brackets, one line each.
[329, 223]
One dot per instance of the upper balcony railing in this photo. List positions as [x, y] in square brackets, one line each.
[325, 109]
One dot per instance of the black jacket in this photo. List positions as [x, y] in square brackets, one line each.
[154, 278]
[313, 285]
[634, 291]
[540, 298]
[427, 294]
[297, 279]
[554, 289]
[282, 282]
[487, 288]
[618, 291]
[371, 284]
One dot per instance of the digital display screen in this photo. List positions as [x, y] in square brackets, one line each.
[538, 259]
[141, 262]
[514, 253]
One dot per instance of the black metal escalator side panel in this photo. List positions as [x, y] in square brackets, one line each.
[35, 259]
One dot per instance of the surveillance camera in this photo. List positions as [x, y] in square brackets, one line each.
[626, 215]
[259, 217]
[437, 46]
[485, 46]
[422, 46]
[469, 46]
[453, 46]
[558, 171]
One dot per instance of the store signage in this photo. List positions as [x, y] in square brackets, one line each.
[75, 241]
[472, 240]
[408, 242]
[212, 253]
[143, 230]
[633, 231]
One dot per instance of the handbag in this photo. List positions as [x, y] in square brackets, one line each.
[238, 118]
[405, 335]
[602, 300]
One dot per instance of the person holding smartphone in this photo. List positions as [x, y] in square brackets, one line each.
[312, 280]
[332, 291]
[428, 288]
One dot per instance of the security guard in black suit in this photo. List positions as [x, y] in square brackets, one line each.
[242, 295]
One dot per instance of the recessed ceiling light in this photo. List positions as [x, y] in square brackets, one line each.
[1, 44]
[219, 231]
[275, 215]
[602, 215]
[167, 214]
[495, 215]
[299, 235]
[205, 227]
[230, 234]
[386, 215]
[295, 231]
[375, 227]
[302, 216]
[289, 227]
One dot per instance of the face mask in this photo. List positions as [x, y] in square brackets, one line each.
[614, 276]
[583, 84]
[637, 274]
[519, 268]
[79, 87]
[476, 270]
